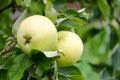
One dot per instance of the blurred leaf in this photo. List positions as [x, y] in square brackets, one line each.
[87, 71]
[37, 7]
[16, 65]
[60, 4]
[4, 74]
[6, 21]
[19, 20]
[107, 74]
[76, 14]
[23, 3]
[2, 43]
[50, 12]
[70, 73]
[113, 38]
[116, 59]
[4, 3]
[104, 8]
[96, 49]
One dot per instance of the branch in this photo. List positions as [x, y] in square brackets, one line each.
[32, 68]
[8, 48]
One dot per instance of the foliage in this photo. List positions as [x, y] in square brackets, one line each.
[97, 23]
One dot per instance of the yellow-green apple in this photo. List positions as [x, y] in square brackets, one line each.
[72, 47]
[37, 32]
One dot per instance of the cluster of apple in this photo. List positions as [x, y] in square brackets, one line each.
[38, 32]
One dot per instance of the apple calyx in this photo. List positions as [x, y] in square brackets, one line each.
[28, 39]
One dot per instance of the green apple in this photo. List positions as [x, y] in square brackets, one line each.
[72, 47]
[37, 32]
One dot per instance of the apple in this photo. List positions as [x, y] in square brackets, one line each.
[37, 32]
[72, 47]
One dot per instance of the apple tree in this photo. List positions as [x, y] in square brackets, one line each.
[96, 22]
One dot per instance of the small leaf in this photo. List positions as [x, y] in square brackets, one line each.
[71, 72]
[36, 7]
[116, 59]
[50, 12]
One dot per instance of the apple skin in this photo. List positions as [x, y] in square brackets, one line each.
[37, 32]
[72, 47]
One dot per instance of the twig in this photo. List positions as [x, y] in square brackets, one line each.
[8, 48]
[54, 72]
[31, 71]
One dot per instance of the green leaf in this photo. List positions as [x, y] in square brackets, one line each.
[6, 22]
[40, 59]
[60, 4]
[70, 73]
[50, 12]
[77, 14]
[107, 74]
[116, 59]
[19, 20]
[4, 3]
[71, 13]
[37, 7]
[23, 3]
[16, 65]
[97, 48]
[69, 25]
[104, 8]
[4, 74]
[87, 71]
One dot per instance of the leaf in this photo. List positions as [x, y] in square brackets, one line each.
[40, 59]
[60, 4]
[19, 20]
[97, 48]
[50, 12]
[23, 3]
[107, 74]
[116, 59]
[4, 3]
[16, 65]
[70, 73]
[87, 71]
[69, 24]
[71, 13]
[104, 8]
[4, 74]
[77, 14]
[50, 54]
[36, 7]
